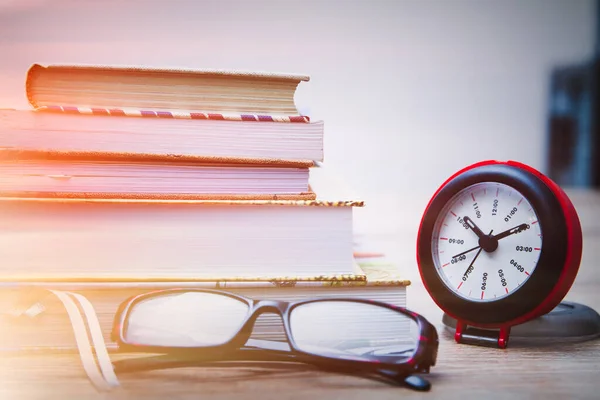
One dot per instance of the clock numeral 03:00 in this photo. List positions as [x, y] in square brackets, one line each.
[524, 248]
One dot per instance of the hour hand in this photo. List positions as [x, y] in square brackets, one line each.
[512, 231]
[474, 227]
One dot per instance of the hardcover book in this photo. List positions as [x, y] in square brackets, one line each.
[172, 240]
[163, 89]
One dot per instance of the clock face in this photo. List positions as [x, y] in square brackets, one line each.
[486, 242]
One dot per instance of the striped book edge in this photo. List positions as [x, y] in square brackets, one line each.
[117, 112]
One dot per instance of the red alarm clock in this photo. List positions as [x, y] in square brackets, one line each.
[499, 244]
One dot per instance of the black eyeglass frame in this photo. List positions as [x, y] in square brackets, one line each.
[422, 359]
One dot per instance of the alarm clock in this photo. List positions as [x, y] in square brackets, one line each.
[499, 244]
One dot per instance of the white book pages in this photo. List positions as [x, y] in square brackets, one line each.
[186, 241]
[30, 130]
[157, 178]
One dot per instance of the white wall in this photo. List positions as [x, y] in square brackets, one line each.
[410, 90]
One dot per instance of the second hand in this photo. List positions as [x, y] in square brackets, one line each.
[475, 258]
[465, 252]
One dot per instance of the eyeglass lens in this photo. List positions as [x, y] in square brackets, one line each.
[186, 319]
[352, 329]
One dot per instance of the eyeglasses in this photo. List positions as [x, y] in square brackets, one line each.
[343, 334]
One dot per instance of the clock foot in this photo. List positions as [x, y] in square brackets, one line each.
[481, 337]
[567, 322]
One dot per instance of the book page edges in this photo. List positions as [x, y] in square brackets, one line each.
[158, 196]
[293, 203]
[72, 283]
[9, 154]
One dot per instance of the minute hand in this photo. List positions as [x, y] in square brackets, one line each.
[512, 231]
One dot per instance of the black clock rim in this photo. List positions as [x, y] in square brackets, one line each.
[550, 265]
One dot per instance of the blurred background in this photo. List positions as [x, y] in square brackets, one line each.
[410, 91]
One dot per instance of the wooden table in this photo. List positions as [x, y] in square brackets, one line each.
[565, 371]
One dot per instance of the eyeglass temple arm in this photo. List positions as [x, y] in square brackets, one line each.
[259, 355]
[185, 359]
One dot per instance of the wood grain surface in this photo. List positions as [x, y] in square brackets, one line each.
[550, 371]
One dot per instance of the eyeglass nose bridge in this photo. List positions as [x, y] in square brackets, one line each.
[260, 307]
[265, 306]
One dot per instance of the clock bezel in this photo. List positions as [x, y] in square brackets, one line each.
[558, 262]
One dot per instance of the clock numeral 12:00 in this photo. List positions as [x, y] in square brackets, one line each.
[495, 207]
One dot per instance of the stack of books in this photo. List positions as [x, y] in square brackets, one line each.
[121, 180]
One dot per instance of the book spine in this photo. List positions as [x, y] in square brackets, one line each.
[174, 115]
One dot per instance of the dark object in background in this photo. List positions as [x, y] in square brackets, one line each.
[572, 143]
[595, 164]
[573, 153]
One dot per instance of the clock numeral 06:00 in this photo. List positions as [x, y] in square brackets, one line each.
[483, 281]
